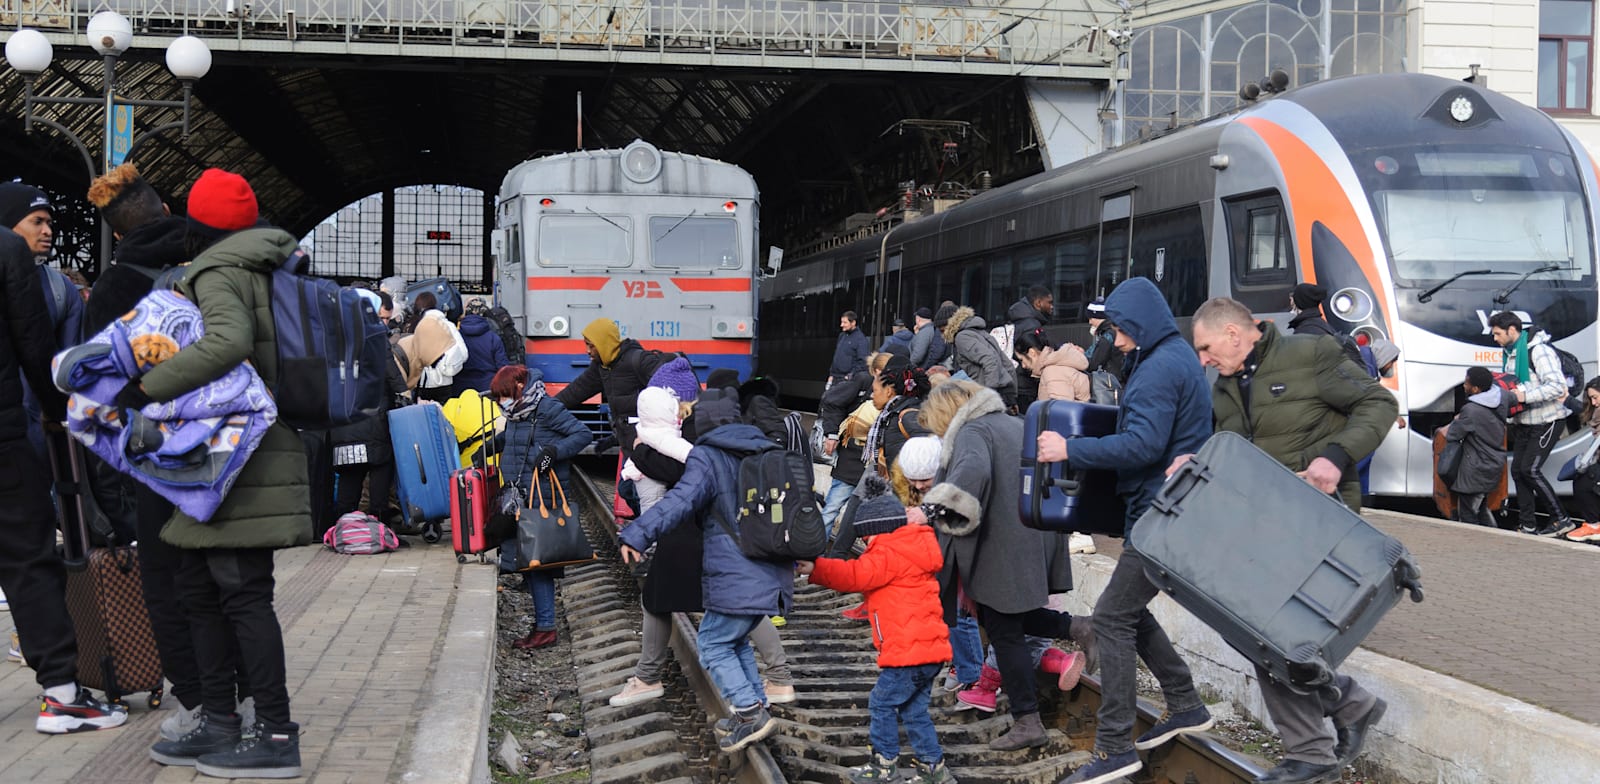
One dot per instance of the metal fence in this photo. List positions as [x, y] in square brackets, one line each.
[990, 36]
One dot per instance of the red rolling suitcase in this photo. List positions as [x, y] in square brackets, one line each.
[472, 490]
[105, 596]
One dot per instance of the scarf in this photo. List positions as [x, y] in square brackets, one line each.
[525, 407]
[869, 453]
[1519, 351]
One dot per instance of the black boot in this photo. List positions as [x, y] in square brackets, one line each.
[272, 753]
[215, 732]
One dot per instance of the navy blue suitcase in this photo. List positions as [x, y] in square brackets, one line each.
[1289, 576]
[1057, 498]
[424, 458]
[449, 300]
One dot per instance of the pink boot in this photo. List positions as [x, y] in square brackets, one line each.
[1069, 666]
[984, 693]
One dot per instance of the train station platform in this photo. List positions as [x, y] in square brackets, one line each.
[1486, 679]
[390, 662]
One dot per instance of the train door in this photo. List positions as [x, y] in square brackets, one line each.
[891, 293]
[1116, 224]
[511, 281]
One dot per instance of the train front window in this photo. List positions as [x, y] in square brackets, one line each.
[1434, 234]
[584, 240]
[689, 242]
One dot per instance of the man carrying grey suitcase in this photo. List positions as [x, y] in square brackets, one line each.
[1299, 399]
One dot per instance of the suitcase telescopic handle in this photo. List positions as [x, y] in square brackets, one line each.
[422, 468]
[1179, 485]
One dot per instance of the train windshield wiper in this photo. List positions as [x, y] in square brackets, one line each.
[674, 227]
[604, 218]
[1505, 295]
[1427, 295]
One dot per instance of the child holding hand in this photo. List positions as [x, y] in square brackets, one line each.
[897, 575]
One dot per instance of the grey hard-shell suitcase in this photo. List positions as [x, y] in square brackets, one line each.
[1289, 576]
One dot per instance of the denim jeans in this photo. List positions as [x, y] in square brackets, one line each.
[541, 586]
[901, 697]
[726, 654]
[1125, 629]
[833, 503]
[968, 648]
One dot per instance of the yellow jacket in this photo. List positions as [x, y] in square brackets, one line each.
[473, 416]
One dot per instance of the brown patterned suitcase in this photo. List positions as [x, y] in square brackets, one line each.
[105, 597]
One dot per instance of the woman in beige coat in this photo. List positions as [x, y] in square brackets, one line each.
[1061, 371]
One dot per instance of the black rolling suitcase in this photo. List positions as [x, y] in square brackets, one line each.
[1057, 498]
[1289, 576]
[105, 596]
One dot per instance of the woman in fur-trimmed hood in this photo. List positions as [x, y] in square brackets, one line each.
[1007, 569]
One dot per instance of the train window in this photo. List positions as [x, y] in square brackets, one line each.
[1263, 256]
[1074, 275]
[585, 241]
[686, 242]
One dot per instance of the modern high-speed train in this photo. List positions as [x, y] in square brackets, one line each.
[1422, 204]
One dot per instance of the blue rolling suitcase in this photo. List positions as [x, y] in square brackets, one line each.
[424, 458]
[1057, 498]
[1289, 576]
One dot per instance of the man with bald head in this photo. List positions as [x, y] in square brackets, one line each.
[1300, 399]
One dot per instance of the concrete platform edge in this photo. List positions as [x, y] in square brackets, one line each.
[1438, 729]
[451, 740]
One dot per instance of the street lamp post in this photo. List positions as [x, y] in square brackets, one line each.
[110, 34]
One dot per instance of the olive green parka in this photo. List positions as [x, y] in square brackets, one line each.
[268, 505]
[1308, 400]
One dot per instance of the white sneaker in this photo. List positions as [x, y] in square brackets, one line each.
[1080, 543]
[636, 691]
[778, 693]
[5, 606]
[181, 722]
[14, 653]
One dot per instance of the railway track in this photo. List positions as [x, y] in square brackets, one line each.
[825, 732]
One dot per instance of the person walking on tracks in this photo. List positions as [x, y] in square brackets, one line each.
[738, 593]
[617, 370]
[1301, 400]
[1166, 412]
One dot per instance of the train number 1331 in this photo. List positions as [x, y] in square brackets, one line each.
[664, 329]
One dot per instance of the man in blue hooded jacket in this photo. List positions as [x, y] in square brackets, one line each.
[1166, 412]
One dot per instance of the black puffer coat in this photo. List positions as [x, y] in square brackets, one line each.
[617, 385]
[141, 256]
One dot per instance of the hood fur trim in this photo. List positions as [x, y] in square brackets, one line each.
[985, 402]
[957, 319]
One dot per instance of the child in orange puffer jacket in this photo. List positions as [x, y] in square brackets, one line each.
[897, 575]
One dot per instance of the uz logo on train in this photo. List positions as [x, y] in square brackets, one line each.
[641, 289]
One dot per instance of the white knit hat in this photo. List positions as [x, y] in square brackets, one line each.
[919, 458]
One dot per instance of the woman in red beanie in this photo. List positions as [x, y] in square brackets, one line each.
[225, 578]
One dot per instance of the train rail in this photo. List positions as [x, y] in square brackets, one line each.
[825, 732]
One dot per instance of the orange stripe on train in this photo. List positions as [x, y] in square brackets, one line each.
[1315, 194]
[712, 284]
[570, 346]
[568, 284]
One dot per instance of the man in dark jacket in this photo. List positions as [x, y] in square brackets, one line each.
[1166, 412]
[927, 345]
[486, 352]
[738, 593]
[617, 370]
[31, 574]
[225, 580]
[1026, 315]
[1301, 400]
[1480, 429]
[850, 353]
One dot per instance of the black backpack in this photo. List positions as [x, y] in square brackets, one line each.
[779, 518]
[516, 346]
[1572, 370]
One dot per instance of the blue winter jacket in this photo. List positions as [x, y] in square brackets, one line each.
[553, 425]
[486, 353]
[903, 337]
[1166, 402]
[732, 584]
[849, 354]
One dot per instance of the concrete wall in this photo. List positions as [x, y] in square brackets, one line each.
[1437, 730]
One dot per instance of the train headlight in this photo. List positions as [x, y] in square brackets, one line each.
[553, 327]
[1350, 304]
[732, 327]
[641, 161]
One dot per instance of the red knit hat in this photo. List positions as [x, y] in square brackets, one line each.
[222, 201]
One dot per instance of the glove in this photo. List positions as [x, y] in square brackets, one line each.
[547, 458]
[605, 445]
[132, 396]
